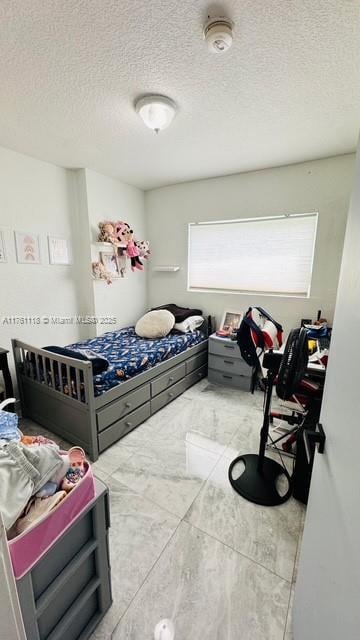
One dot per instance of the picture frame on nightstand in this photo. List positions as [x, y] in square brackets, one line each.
[231, 321]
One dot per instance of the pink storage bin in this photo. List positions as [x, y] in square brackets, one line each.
[28, 547]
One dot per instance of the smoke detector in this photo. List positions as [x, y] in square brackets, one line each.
[218, 33]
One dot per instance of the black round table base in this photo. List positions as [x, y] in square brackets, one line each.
[256, 486]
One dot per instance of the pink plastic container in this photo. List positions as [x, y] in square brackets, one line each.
[27, 548]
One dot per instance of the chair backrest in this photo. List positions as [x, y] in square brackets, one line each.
[258, 331]
[293, 364]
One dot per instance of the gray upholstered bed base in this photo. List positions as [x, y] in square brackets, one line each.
[95, 423]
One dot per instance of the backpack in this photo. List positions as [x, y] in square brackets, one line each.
[258, 331]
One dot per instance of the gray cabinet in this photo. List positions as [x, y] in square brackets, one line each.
[225, 364]
[68, 591]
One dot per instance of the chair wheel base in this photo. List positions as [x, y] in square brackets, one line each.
[259, 486]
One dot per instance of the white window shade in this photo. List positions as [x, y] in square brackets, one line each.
[257, 255]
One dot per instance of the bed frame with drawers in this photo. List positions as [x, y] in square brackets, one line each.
[96, 422]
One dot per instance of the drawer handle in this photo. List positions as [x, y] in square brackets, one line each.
[229, 377]
[128, 405]
[128, 424]
[229, 346]
[171, 395]
[171, 379]
[229, 362]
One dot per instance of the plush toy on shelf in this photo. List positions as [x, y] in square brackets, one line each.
[100, 273]
[127, 236]
[121, 227]
[121, 236]
[107, 232]
[144, 248]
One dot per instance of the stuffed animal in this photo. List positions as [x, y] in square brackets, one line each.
[100, 272]
[126, 235]
[107, 232]
[133, 252]
[144, 248]
[120, 226]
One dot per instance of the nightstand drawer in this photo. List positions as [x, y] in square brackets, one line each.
[230, 365]
[221, 347]
[229, 380]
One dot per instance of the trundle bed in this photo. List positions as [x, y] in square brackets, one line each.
[62, 394]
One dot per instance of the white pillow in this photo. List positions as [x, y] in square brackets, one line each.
[190, 324]
[155, 324]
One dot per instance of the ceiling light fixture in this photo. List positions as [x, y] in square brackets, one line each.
[218, 33]
[157, 112]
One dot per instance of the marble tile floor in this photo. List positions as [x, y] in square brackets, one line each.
[183, 544]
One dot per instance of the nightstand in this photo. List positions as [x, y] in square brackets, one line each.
[225, 364]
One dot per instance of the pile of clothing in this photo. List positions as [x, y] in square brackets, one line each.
[34, 474]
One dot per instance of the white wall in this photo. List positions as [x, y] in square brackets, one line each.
[323, 186]
[41, 198]
[35, 196]
[328, 583]
[110, 199]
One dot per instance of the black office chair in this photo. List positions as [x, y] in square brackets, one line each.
[302, 392]
[259, 481]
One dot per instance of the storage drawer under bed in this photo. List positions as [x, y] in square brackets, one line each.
[177, 389]
[196, 362]
[120, 428]
[168, 379]
[121, 407]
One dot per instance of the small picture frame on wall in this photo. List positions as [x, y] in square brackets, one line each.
[231, 321]
[59, 250]
[2, 248]
[27, 247]
[110, 263]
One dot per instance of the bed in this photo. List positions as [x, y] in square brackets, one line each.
[94, 411]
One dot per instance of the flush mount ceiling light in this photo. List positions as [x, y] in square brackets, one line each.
[218, 33]
[157, 112]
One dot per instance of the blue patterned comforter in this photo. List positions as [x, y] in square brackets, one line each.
[129, 355]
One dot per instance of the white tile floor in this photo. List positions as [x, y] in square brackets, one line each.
[183, 544]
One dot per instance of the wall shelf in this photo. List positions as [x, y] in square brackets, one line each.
[103, 279]
[168, 268]
[109, 245]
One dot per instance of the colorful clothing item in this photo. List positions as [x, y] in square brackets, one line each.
[8, 424]
[23, 471]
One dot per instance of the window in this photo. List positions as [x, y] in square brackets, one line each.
[255, 255]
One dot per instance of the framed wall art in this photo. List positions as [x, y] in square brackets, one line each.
[59, 250]
[110, 263]
[27, 247]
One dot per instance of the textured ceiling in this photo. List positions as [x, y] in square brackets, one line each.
[287, 91]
